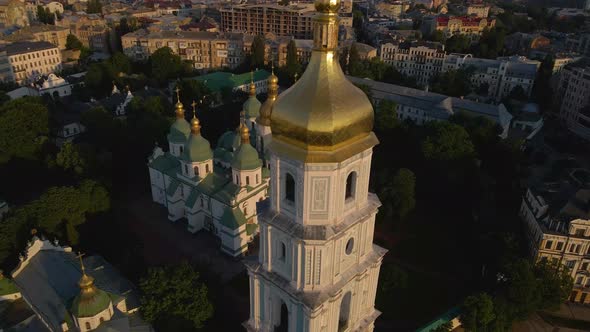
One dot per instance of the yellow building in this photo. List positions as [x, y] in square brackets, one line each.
[560, 233]
[43, 32]
[463, 25]
[13, 13]
[30, 60]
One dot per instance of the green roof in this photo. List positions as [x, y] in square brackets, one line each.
[251, 229]
[222, 80]
[92, 305]
[233, 218]
[191, 199]
[179, 131]
[252, 107]
[164, 162]
[7, 286]
[246, 158]
[265, 173]
[197, 149]
[172, 187]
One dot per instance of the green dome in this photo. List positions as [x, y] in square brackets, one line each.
[197, 149]
[179, 131]
[246, 158]
[91, 300]
[229, 141]
[252, 107]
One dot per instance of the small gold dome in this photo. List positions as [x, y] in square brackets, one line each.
[266, 108]
[195, 126]
[327, 6]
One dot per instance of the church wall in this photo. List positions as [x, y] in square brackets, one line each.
[233, 242]
[91, 323]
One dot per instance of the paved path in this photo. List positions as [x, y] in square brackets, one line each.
[166, 242]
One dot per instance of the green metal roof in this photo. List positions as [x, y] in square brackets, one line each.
[220, 80]
[164, 162]
[251, 229]
[172, 187]
[265, 173]
[179, 131]
[232, 218]
[7, 286]
[197, 149]
[252, 107]
[191, 199]
[91, 306]
[246, 158]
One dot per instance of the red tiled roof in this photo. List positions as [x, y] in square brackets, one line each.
[466, 20]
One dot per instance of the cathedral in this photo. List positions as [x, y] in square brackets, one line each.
[216, 190]
[317, 269]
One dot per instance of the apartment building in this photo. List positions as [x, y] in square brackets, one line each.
[477, 9]
[557, 221]
[293, 20]
[42, 32]
[6, 75]
[454, 25]
[419, 59]
[394, 9]
[92, 30]
[30, 60]
[501, 75]
[574, 97]
[13, 13]
[206, 50]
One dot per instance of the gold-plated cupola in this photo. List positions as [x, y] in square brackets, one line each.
[323, 117]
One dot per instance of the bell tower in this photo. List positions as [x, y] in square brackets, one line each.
[318, 268]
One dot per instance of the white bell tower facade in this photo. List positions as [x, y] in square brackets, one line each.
[317, 268]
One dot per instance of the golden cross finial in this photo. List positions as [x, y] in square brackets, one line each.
[272, 67]
[251, 76]
[194, 105]
[296, 75]
[80, 255]
[177, 93]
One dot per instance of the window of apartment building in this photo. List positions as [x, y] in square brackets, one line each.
[570, 264]
[559, 246]
[584, 266]
[579, 280]
[580, 232]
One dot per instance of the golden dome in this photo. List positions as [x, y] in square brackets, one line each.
[266, 108]
[244, 134]
[327, 6]
[323, 117]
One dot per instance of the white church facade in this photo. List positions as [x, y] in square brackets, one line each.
[317, 269]
[217, 191]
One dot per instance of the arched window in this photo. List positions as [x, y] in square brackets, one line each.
[247, 180]
[196, 170]
[344, 311]
[201, 201]
[207, 168]
[245, 211]
[283, 252]
[350, 185]
[290, 188]
[88, 326]
[101, 319]
[237, 179]
[181, 149]
[257, 179]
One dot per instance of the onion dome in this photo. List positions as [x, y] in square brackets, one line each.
[180, 129]
[90, 301]
[323, 117]
[197, 148]
[252, 104]
[246, 158]
[266, 108]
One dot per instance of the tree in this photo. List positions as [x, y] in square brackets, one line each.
[44, 15]
[458, 43]
[521, 290]
[400, 194]
[554, 284]
[120, 63]
[477, 312]
[73, 43]
[165, 64]
[94, 7]
[542, 91]
[70, 159]
[293, 66]
[456, 83]
[491, 43]
[447, 142]
[355, 67]
[257, 52]
[175, 292]
[386, 115]
[437, 36]
[24, 126]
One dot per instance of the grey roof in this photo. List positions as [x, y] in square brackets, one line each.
[197, 35]
[436, 105]
[49, 281]
[26, 47]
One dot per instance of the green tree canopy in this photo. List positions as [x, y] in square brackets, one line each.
[175, 292]
[120, 63]
[477, 312]
[355, 65]
[73, 43]
[386, 115]
[70, 158]
[458, 43]
[293, 66]
[24, 126]
[447, 142]
[455, 83]
[399, 194]
[165, 64]
[257, 52]
[44, 15]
